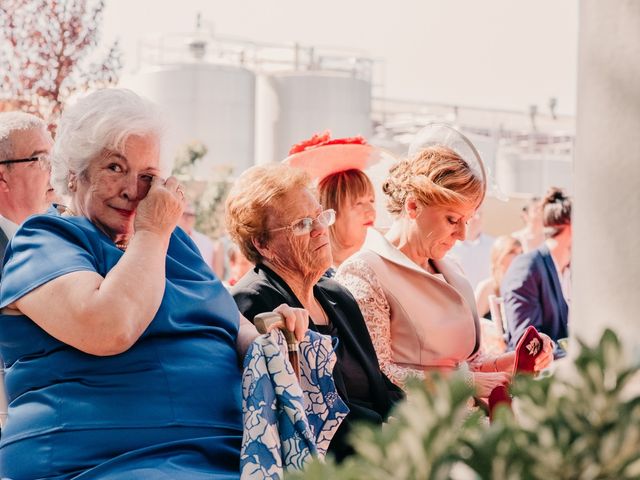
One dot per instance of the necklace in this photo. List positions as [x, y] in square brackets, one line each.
[122, 245]
[66, 211]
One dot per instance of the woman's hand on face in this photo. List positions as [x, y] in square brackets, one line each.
[162, 208]
[546, 356]
[485, 382]
[295, 319]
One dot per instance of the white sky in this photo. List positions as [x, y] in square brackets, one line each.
[490, 53]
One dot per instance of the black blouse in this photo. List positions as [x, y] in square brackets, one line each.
[368, 393]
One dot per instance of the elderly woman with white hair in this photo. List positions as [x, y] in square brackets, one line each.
[121, 345]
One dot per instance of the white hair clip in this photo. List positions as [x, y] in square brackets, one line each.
[444, 135]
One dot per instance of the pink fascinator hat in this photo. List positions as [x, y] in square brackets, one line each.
[321, 156]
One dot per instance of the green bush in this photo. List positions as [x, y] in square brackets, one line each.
[584, 426]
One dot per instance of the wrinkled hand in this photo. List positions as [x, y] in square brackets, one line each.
[485, 382]
[295, 319]
[546, 356]
[161, 209]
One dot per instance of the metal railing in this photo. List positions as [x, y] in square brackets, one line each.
[262, 57]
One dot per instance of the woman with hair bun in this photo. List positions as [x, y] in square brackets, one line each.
[419, 308]
[533, 288]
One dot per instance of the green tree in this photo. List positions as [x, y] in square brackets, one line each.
[564, 427]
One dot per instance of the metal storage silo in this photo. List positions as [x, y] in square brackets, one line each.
[535, 164]
[311, 102]
[519, 172]
[208, 94]
[205, 102]
[304, 90]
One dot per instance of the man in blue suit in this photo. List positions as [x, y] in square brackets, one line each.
[532, 288]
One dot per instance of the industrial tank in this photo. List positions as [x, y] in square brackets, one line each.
[533, 165]
[207, 103]
[293, 105]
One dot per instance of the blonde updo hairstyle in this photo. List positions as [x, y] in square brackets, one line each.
[255, 197]
[436, 176]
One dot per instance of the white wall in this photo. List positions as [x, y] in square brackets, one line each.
[606, 220]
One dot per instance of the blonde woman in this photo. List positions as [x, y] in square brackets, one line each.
[418, 305]
[350, 193]
[503, 251]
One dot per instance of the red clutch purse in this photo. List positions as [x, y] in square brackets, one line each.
[498, 396]
[528, 348]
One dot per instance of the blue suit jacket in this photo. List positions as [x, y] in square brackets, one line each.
[533, 296]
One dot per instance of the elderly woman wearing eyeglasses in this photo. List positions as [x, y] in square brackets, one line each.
[275, 218]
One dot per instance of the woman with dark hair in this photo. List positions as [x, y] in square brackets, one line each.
[533, 286]
[350, 193]
[337, 165]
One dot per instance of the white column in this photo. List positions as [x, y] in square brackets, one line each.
[606, 217]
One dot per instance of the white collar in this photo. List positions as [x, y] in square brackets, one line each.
[378, 243]
[454, 279]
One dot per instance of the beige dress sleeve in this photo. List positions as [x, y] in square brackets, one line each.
[357, 276]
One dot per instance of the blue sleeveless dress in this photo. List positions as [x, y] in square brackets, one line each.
[168, 408]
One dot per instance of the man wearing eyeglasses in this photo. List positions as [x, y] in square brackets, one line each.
[25, 190]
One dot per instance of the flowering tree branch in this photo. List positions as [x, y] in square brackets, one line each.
[45, 48]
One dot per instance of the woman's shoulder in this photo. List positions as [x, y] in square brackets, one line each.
[254, 293]
[362, 261]
[46, 247]
[358, 275]
[52, 222]
[255, 279]
[257, 283]
[55, 233]
[333, 288]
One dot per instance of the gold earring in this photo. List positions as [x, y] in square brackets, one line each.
[70, 186]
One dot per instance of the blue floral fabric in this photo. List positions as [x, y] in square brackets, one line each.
[286, 423]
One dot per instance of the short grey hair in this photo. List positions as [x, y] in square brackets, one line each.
[104, 119]
[11, 122]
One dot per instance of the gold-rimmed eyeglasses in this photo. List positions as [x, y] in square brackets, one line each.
[305, 225]
[43, 159]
